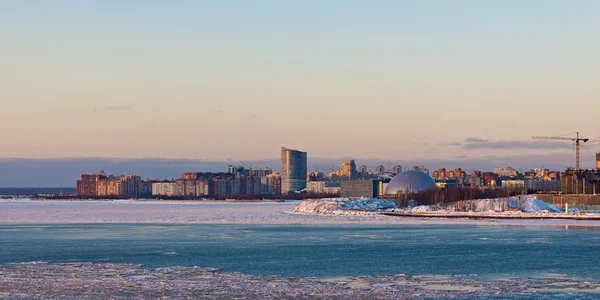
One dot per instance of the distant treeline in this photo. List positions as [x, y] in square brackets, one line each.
[447, 196]
[36, 191]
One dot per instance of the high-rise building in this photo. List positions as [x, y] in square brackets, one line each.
[380, 170]
[348, 169]
[293, 170]
[505, 172]
[421, 168]
[131, 186]
[363, 170]
[260, 172]
[238, 171]
[598, 160]
[87, 186]
[397, 169]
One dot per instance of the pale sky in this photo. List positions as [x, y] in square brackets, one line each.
[237, 80]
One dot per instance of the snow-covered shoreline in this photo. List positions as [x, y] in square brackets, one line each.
[525, 207]
[201, 212]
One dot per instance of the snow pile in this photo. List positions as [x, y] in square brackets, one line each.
[369, 204]
[425, 208]
[344, 206]
[527, 203]
[534, 205]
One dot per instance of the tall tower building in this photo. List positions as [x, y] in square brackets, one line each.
[293, 170]
[380, 170]
[598, 161]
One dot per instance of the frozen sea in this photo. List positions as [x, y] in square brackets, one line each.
[305, 247]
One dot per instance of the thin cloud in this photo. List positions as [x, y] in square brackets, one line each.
[482, 144]
[455, 144]
[475, 140]
[112, 108]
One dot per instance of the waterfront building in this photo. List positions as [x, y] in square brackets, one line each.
[360, 188]
[146, 190]
[99, 185]
[473, 180]
[238, 171]
[397, 169]
[164, 188]
[227, 188]
[87, 186]
[489, 178]
[293, 170]
[348, 169]
[421, 168]
[514, 184]
[250, 186]
[108, 188]
[206, 175]
[260, 172]
[315, 176]
[315, 187]
[271, 184]
[505, 172]
[131, 186]
[411, 181]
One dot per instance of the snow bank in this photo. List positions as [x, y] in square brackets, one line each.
[425, 208]
[539, 205]
[527, 203]
[369, 204]
[344, 206]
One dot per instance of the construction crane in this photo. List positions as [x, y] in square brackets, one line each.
[577, 141]
[246, 165]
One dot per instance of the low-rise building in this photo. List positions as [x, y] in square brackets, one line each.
[360, 188]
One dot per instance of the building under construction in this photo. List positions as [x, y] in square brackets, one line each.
[580, 182]
[579, 189]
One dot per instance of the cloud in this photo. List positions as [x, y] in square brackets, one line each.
[478, 144]
[475, 140]
[456, 144]
[111, 108]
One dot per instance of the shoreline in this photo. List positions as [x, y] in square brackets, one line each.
[493, 217]
[234, 213]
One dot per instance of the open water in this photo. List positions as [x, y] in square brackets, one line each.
[322, 251]
[488, 252]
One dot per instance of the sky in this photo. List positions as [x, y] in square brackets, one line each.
[236, 80]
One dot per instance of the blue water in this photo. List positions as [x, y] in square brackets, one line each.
[322, 251]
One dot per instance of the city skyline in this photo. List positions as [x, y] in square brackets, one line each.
[216, 81]
[60, 172]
